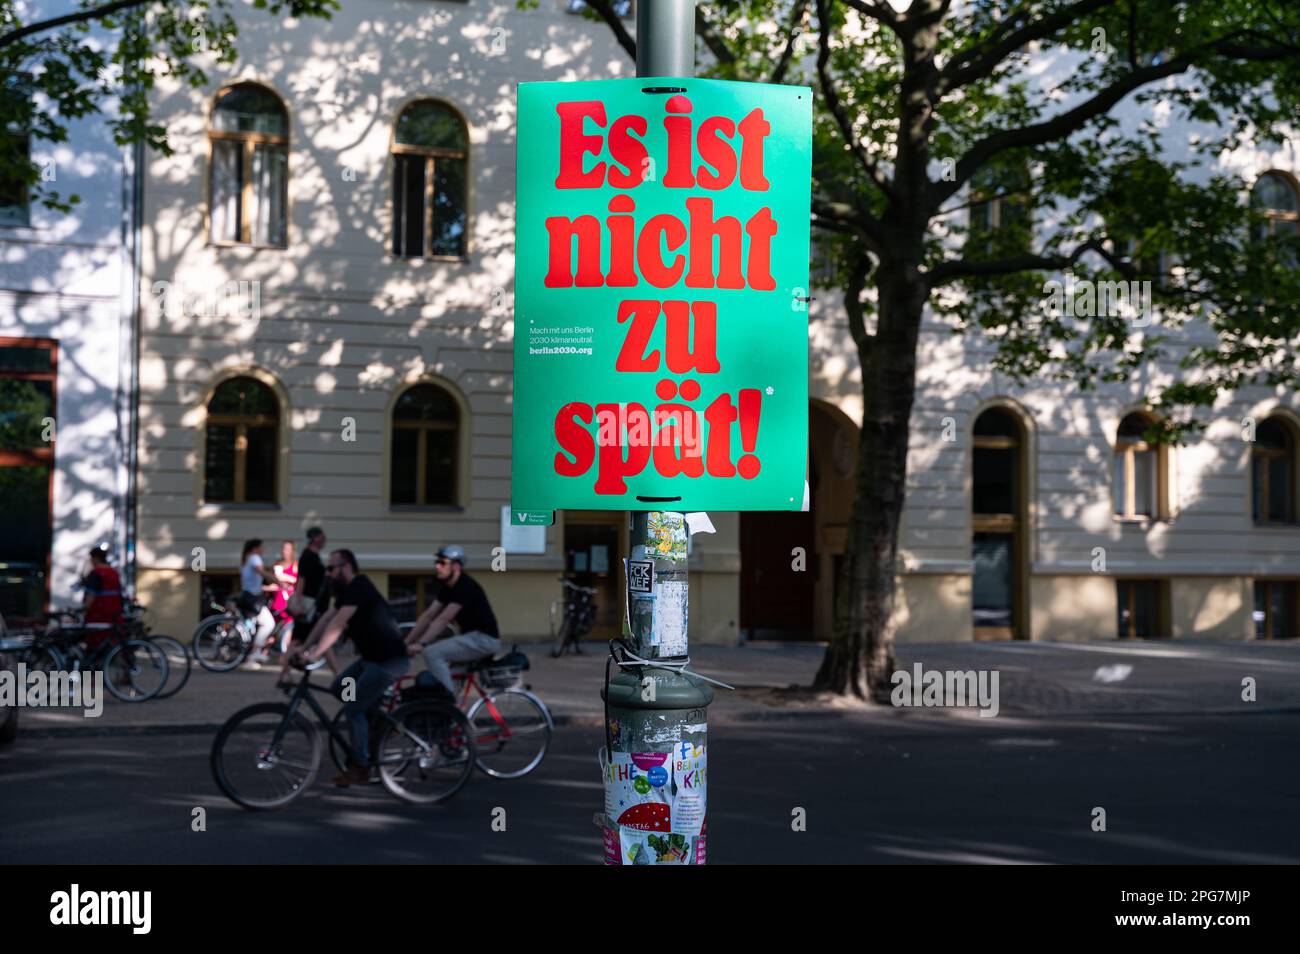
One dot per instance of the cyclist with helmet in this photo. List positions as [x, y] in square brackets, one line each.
[459, 598]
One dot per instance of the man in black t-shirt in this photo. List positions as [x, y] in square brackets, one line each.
[307, 601]
[459, 598]
[363, 616]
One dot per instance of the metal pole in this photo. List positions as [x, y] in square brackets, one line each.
[655, 715]
[665, 38]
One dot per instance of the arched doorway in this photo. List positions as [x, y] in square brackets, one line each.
[789, 561]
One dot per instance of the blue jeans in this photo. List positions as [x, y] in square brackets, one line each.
[372, 679]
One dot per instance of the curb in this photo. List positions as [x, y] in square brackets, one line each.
[741, 718]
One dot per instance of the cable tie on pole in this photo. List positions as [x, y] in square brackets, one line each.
[633, 661]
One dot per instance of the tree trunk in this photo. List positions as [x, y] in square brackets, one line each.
[860, 657]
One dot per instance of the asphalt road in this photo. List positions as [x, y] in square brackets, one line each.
[891, 787]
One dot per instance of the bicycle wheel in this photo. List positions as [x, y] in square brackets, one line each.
[135, 671]
[43, 658]
[426, 752]
[566, 627]
[220, 643]
[179, 661]
[256, 771]
[512, 731]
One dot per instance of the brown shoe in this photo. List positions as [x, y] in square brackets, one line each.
[353, 775]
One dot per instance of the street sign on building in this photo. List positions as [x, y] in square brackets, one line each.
[661, 295]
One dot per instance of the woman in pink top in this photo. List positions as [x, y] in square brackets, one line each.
[286, 571]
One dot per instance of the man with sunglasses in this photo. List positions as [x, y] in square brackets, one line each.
[361, 614]
[459, 598]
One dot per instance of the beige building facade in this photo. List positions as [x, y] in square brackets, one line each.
[326, 339]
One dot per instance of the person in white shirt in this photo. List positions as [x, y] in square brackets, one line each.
[254, 577]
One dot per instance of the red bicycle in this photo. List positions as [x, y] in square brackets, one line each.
[511, 725]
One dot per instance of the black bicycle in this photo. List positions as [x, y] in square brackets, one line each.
[135, 670]
[179, 661]
[268, 754]
[224, 641]
[579, 615]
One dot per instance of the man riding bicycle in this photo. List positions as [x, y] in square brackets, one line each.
[459, 598]
[359, 612]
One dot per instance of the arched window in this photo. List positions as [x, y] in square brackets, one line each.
[1141, 471]
[999, 211]
[242, 440]
[430, 186]
[996, 523]
[1273, 473]
[426, 425]
[249, 167]
[1275, 198]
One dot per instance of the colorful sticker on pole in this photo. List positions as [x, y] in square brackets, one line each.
[661, 289]
[690, 798]
[666, 536]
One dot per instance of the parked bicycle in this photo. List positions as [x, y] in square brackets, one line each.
[135, 670]
[512, 726]
[178, 657]
[579, 616]
[224, 640]
[268, 754]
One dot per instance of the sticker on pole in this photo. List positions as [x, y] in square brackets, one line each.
[655, 806]
[661, 288]
[640, 576]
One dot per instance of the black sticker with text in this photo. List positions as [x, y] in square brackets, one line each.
[640, 576]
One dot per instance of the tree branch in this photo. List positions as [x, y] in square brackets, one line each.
[712, 39]
[836, 107]
[973, 64]
[881, 14]
[1070, 121]
[945, 272]
[842, 217]
[605, 10]
[792, 29]
[80, 16]
[859, 268]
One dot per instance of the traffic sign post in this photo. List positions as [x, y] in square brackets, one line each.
[661, 365]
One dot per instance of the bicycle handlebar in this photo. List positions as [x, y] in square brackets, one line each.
[589, 590]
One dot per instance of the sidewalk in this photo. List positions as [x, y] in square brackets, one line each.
[1035, 680]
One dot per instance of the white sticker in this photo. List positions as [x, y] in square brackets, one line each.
[670, 618]
[699, 522]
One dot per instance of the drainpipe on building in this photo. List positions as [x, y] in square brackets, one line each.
[133, 22]
[655, 711]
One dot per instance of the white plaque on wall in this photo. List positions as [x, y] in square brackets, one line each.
[520, 539]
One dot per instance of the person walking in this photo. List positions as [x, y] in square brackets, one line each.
[459, 598]
[253, 578]
[307, 601]
[286, 574]
[103, 598]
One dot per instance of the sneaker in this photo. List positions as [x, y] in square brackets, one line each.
[260, 657]
[354, 775]
[251, 665]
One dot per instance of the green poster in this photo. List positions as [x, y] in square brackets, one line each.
[661, 276]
